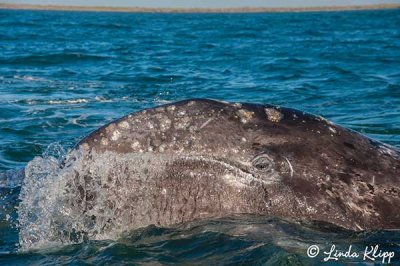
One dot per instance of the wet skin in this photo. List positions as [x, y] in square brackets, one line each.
[222, 159]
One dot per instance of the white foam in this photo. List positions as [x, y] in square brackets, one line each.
[71, 101]
[29, 78]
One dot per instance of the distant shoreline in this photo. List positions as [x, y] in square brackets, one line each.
[197, 10]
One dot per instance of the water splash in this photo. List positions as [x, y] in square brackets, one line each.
[69, 198]
[39, 196]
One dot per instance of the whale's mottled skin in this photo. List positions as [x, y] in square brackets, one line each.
[232, 158]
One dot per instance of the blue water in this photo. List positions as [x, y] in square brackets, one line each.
[64, 74]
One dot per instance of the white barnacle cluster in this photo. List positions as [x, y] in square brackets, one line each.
[124, 125]
[117, 130]
[135, 145]
[113, 132]
[165, 124]
[273, 115]
[115, 135]
[104, 141]
[245, 115]
[182, 120]
[157, 125]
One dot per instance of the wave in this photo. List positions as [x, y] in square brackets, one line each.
[29, 78]
[63, 101]
[72, 101]
[232, 240]
[157, 100]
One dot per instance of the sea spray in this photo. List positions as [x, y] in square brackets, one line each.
[68, 198]
[41, 200]
[84, 196]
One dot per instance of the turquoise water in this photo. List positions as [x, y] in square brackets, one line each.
[64, 74]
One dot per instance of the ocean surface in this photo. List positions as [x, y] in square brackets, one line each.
[64, 74]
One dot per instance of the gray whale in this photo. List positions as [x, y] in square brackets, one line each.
[222, 159]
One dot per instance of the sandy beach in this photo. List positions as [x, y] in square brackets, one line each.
[196, 10]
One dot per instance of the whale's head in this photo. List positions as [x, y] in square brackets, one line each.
[204, 158]
[245, 137]
[190, 159]
[200, 158]
[211, 158]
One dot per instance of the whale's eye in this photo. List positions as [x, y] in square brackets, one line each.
[262, 162]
